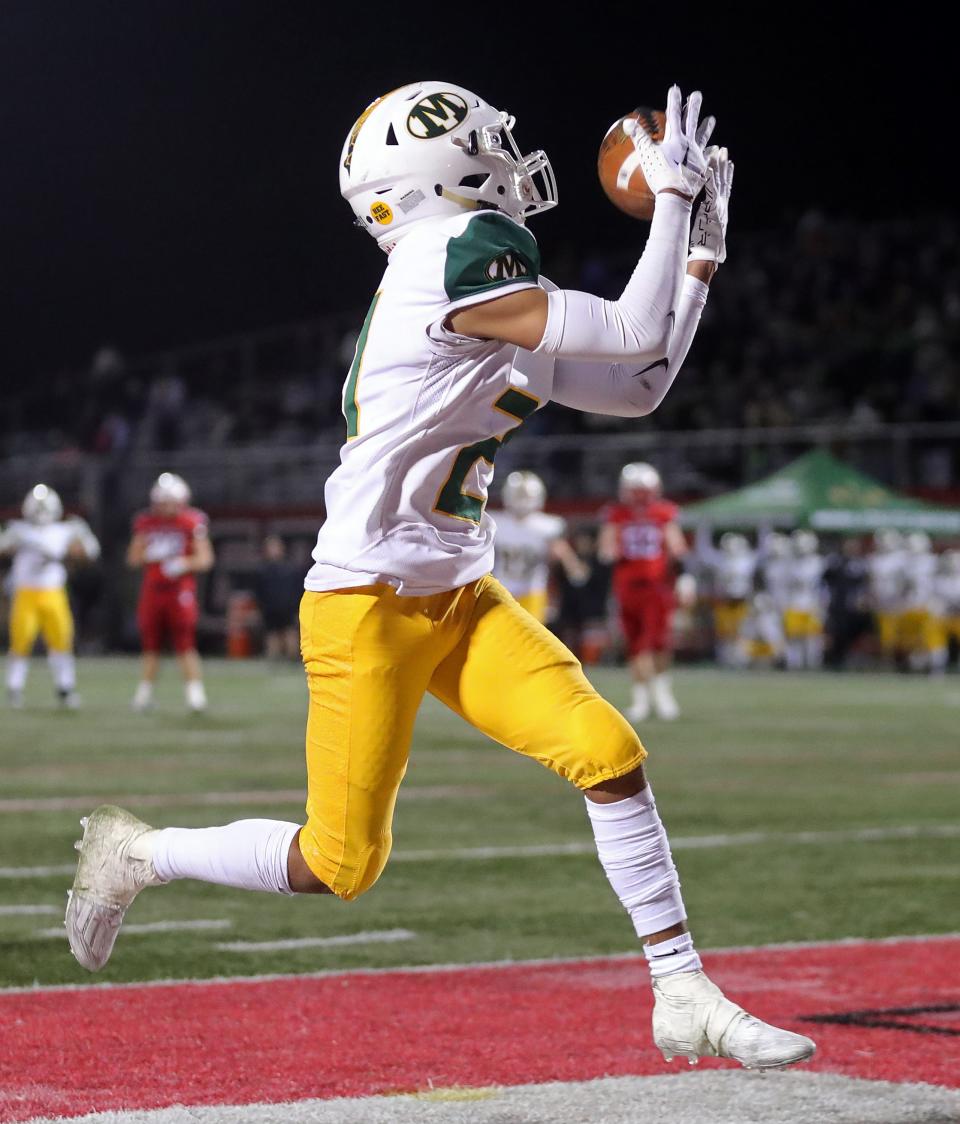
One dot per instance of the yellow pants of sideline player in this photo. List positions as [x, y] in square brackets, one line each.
[36, 611]
[371, 656]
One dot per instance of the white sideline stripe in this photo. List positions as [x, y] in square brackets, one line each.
[213, 799]
[154, 927]
[382, 936]
[629, 956]
[586, 847]
[27, 910]
[718, 1096]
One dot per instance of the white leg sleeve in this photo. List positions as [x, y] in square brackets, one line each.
[63, 669]
[247, 854]
[635, 854]
[638, 327]
[17, 668]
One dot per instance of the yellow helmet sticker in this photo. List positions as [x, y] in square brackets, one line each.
[382, 213]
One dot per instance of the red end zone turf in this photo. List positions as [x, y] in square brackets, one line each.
[892, 1012]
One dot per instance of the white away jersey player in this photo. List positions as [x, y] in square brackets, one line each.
[427, 411]
[39, 551]
[522, 554]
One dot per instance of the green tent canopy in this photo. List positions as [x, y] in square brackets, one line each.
[822, 493]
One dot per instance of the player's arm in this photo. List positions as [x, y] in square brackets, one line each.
[8, 540]
[608, 544]
[198, 561]
[84, 546]
[136, 551]
[676, 545]
[574, 567]
[638, 326]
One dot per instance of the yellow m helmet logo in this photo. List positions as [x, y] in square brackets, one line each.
[436, 114]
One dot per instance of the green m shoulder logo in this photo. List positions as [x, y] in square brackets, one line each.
[435, 115]
[506, 266]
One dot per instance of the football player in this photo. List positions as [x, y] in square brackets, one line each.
[464, 339]
[945, 631]
[528, 540]
[171, 544]
[804, 613]
[733, 569]
[643, 542]
[41, 544]
[885, 583]
[916, 624]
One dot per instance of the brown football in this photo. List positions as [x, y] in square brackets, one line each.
[620, 176]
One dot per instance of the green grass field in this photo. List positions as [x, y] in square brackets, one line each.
[776, 754]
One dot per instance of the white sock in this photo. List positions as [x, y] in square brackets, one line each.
[17, 668]
[641, 695]
[143, 693]
[196, 695]
[635, 854]
[246, 854]
[63, 668]
[674, 955]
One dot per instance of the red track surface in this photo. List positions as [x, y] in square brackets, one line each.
[73, 1052]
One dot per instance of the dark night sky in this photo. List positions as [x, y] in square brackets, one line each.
[170, 166]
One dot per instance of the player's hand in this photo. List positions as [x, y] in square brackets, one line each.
[708, 234]
[677, 163]
[686, 590]
[174, 567]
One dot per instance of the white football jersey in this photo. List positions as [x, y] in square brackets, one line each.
[805, 592]
[919, 572]
[733, 575]
[522, 553]
[776, 580]
[885, 575]
[38, 553]
[946, 588]
[427, 410]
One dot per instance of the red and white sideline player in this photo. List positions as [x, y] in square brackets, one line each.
[643, 541]
[171, 544]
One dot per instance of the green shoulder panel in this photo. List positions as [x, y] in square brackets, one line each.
[492, 252]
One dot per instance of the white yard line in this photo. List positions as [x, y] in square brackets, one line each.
[586, 846]
[154, 927]
[20, 804]
[382, 936]
[28, 910]
[480, 965]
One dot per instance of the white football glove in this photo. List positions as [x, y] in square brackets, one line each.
[678, 162]
[174, 567]
[708, 234]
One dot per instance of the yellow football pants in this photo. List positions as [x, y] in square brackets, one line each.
[915, 630]
[798, 624]
[45, 611]
[888, 631]
[728, 618]
[535, 602]
[370, 656]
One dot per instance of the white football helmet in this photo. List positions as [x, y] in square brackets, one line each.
[918, 542]
[805, 543]
[777, 545]
[524, 493]
[733, 543]
[887, 541]
[950, 562]
[639, 482]
[433, 149]
[42, 505]
[170, 488]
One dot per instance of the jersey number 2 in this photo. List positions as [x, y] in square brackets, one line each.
[452, 499]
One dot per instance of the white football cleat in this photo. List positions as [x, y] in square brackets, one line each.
[692, 1018]
[196, 696]
[114, 867]
[639, 709]
[143, 698]
[664, 702]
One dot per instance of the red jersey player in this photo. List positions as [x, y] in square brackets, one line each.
[170, 543]
[642, 540]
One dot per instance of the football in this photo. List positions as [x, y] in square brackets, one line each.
[620, 174]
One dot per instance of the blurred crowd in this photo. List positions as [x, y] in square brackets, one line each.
[832, 320]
